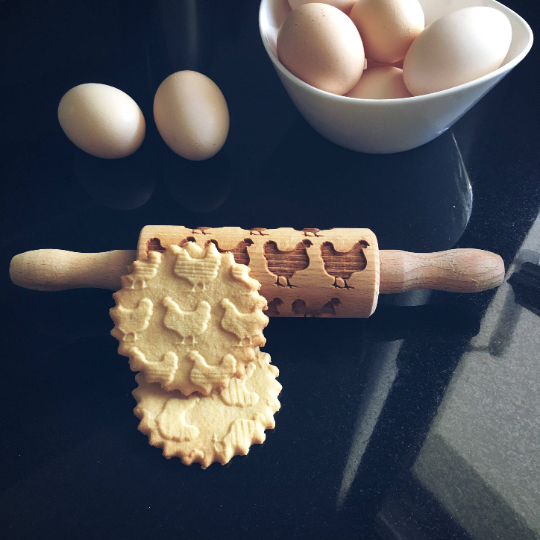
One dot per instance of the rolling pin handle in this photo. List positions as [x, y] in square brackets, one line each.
[57, 270]
[456, 270]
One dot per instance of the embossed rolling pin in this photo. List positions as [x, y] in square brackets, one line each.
[337, 272]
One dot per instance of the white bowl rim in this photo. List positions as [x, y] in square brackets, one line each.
[385, 102]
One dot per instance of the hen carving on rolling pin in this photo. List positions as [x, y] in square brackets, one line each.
[284, 264]
[240, 251]
[341, 266]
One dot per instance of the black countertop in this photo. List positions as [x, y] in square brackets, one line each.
[419, 422]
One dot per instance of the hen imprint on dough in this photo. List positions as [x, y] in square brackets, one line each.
[243, 325]
[199, 272]
[187, 324]
[131, 321]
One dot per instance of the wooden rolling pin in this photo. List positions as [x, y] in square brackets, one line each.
[333, 273]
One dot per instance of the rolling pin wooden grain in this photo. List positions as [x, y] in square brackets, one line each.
[332, 273]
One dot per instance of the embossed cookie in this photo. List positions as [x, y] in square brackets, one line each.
[190, 318]
[211, 428]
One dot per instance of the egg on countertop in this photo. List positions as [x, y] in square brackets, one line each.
[320, 45]
[381, 83]
[102, 120]
[191, 115]
[387, 27]
[457, 48]
[343, 5]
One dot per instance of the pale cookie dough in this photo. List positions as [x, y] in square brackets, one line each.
[190, 319]
[215, 427]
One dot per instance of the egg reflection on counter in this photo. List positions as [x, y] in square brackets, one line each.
[198, 186]
[102, 120]
[120, 184]
[457, 48]
[380, 83]
[191, 115]
[320, 45]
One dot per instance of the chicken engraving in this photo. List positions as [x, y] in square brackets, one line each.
[200, 230]
[341, 266]
[132, 321]
[242, 434]
[284, 264]
[237, 394]
[198, 271]
[162, 372]
[187, 324]
[312, 232]
[245, 326]
[154, 244]
[299, 308]
[172, 423]
[240, 251]
[329, 308]
[273, 306]
[208, 377]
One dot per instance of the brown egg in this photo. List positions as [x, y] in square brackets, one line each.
[457, 48]
[387, 27]
[102, 120]
[381, 83]
[321, 46]
[191, 115]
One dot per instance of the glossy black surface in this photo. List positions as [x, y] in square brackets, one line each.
[73, 463]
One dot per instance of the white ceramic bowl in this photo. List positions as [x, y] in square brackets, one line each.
[390, 125]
